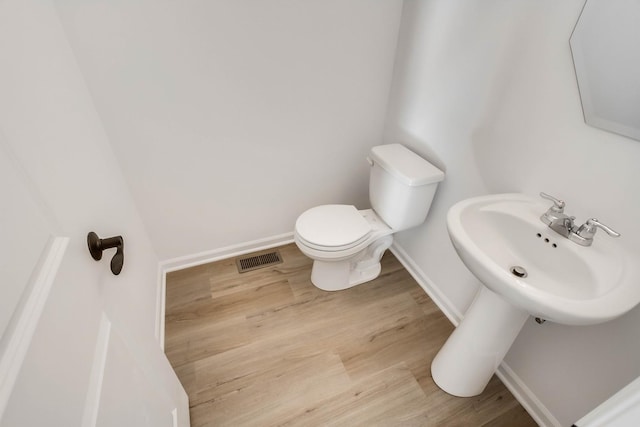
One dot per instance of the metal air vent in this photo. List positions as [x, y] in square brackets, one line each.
[254, 262]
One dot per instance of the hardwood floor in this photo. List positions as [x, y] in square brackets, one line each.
[267, 348]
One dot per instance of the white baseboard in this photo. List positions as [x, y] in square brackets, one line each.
[511, 380]
[161, 302]
[526, 397]
[205, 257]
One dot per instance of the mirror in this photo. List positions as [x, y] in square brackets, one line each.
[606, 56]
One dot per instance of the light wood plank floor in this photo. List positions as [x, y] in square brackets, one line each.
[267, 348]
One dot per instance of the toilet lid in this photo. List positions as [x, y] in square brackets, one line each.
[332, 226]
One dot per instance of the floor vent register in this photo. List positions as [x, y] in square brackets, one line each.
[255, 261]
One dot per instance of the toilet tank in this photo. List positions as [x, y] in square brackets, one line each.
[401, 185]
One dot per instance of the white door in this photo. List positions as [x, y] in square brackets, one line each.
[79, 345]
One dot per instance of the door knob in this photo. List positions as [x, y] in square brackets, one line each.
[97, 245]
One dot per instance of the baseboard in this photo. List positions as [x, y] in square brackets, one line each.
[511, 380]
[205, 257]
[161, 301]
[526, 397]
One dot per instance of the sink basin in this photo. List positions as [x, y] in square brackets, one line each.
[565, 282]
[526, 269]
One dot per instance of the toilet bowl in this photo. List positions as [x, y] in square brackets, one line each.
[346, 244]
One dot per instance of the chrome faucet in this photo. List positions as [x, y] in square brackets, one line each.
[564, 224]
[555, 217]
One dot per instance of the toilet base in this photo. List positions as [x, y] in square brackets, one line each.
[363, 267]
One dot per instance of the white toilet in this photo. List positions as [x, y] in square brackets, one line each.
[346, 244]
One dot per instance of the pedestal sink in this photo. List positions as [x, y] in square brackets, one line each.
[526, 269]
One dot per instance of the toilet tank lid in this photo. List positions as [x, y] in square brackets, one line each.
[406, 165]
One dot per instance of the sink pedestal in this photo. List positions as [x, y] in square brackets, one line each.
[471, 355]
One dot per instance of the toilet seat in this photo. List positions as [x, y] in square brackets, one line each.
[367, 227]
[332, 227]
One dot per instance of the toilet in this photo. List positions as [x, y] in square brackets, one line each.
[346, 244]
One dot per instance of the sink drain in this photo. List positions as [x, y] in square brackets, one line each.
[518, 271]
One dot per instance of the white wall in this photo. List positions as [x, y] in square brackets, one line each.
[230, 118]
[488, 92]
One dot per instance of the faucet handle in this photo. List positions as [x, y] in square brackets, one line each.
[589, 228]
[558, 205]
